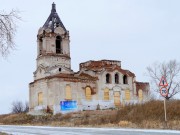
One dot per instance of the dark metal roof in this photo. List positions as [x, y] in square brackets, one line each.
[53, 20]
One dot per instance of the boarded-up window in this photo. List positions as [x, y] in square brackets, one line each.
[68, 93]
[117, 98]
[106, 94]
[127, 95]
[140, 95]
[40, 98]
[88, 93]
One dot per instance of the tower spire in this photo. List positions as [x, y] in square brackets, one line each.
[53, 7]
[53, 20]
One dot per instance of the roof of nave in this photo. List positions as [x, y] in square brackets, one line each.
[87, 76]
[74, 77]
[108, 65]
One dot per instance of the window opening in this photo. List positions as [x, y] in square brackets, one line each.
[108, 78]
[40, 46]
[58, 45]
[116, 78]
[125, 81]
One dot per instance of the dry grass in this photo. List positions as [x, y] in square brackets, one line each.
[148, 115]
[2, 133]
[150, 111]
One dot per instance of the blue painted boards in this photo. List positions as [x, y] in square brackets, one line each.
[68, 105]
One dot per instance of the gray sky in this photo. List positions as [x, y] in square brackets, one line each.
[136, 32]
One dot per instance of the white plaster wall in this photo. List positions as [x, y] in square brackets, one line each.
[51, 61]
[51, 66]
[101, 85]
[40, 86]
[65, 45]
[54, 92]
[59, 31]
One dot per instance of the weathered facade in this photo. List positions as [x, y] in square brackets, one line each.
[103, 84]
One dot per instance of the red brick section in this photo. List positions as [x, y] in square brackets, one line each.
[144, 86]
[108, 65]
[96, 66]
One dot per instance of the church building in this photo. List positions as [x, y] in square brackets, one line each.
[101, 84]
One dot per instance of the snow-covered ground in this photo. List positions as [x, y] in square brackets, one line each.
[40, 130]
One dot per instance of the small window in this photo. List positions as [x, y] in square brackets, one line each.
[68, 93]
[59, 69]
[108, 78]
[88, 93]
[106, 94]
[140, 95]
[116, 78]
[127, 95]
[40, 98]
[125, 80]
[58, 45]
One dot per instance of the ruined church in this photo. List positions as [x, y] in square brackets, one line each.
[101, 84]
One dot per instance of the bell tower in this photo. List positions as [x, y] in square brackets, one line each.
[53, 47]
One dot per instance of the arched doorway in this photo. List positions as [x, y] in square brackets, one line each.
[117, 96]
[117, 102]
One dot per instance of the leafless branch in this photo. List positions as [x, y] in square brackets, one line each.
[19, 107]
[8, 27]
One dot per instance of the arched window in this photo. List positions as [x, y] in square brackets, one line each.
[68, 92]
[127, 95]
[58, 44]
[88, 93]
[40, 98]
[140, 95]
[125, 81]
[106, 94]
[40, 46]
[108, 78]
[116, 78]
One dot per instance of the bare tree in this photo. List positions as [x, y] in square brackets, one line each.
[26, 107]
[8, 27]
[171, 71]
[19, 107]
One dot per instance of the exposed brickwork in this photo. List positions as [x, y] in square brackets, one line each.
[144, 86]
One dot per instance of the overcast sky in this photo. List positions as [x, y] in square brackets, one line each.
[136, 32]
